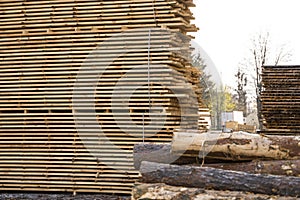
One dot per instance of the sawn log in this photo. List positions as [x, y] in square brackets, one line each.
[218, 179]
[236, 146]
[161, 153]
[275, 167]
[162, 191]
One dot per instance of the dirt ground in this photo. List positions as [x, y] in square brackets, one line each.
[62, 196]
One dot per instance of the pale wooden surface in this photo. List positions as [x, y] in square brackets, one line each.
[42, 46]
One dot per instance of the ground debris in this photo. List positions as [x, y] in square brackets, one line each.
[59, 196]
[162, 191]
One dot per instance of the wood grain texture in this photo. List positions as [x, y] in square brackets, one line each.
[43, 45]
[281, 100]
[236, 146]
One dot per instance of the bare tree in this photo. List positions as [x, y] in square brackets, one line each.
[282, 55]
[261, 54]
[241, 97]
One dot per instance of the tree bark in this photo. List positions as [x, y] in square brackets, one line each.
[161, 153]
[276, 167]
[211, 178]
[167, 192]
[236, 146]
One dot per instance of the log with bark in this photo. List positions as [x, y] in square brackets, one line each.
[218, 179]
[275, 167]
[236, 146]
[167, 192]
[161, 153]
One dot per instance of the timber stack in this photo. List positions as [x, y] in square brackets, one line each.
[280, 100]
[219, 165]
[82, 81]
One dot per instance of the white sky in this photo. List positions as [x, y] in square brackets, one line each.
[226, 27]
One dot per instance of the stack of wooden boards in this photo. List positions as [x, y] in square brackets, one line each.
[235, 126]
[204, 121]
[219, 166]
[50, 52]
[280, 99]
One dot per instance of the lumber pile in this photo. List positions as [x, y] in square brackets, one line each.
[280, 99]
[230, 164]
[53, 135]
[235, 126]
[204, 122]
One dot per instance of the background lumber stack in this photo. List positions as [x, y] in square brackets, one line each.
[42, 47]
[204, 121]
[281, 99]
